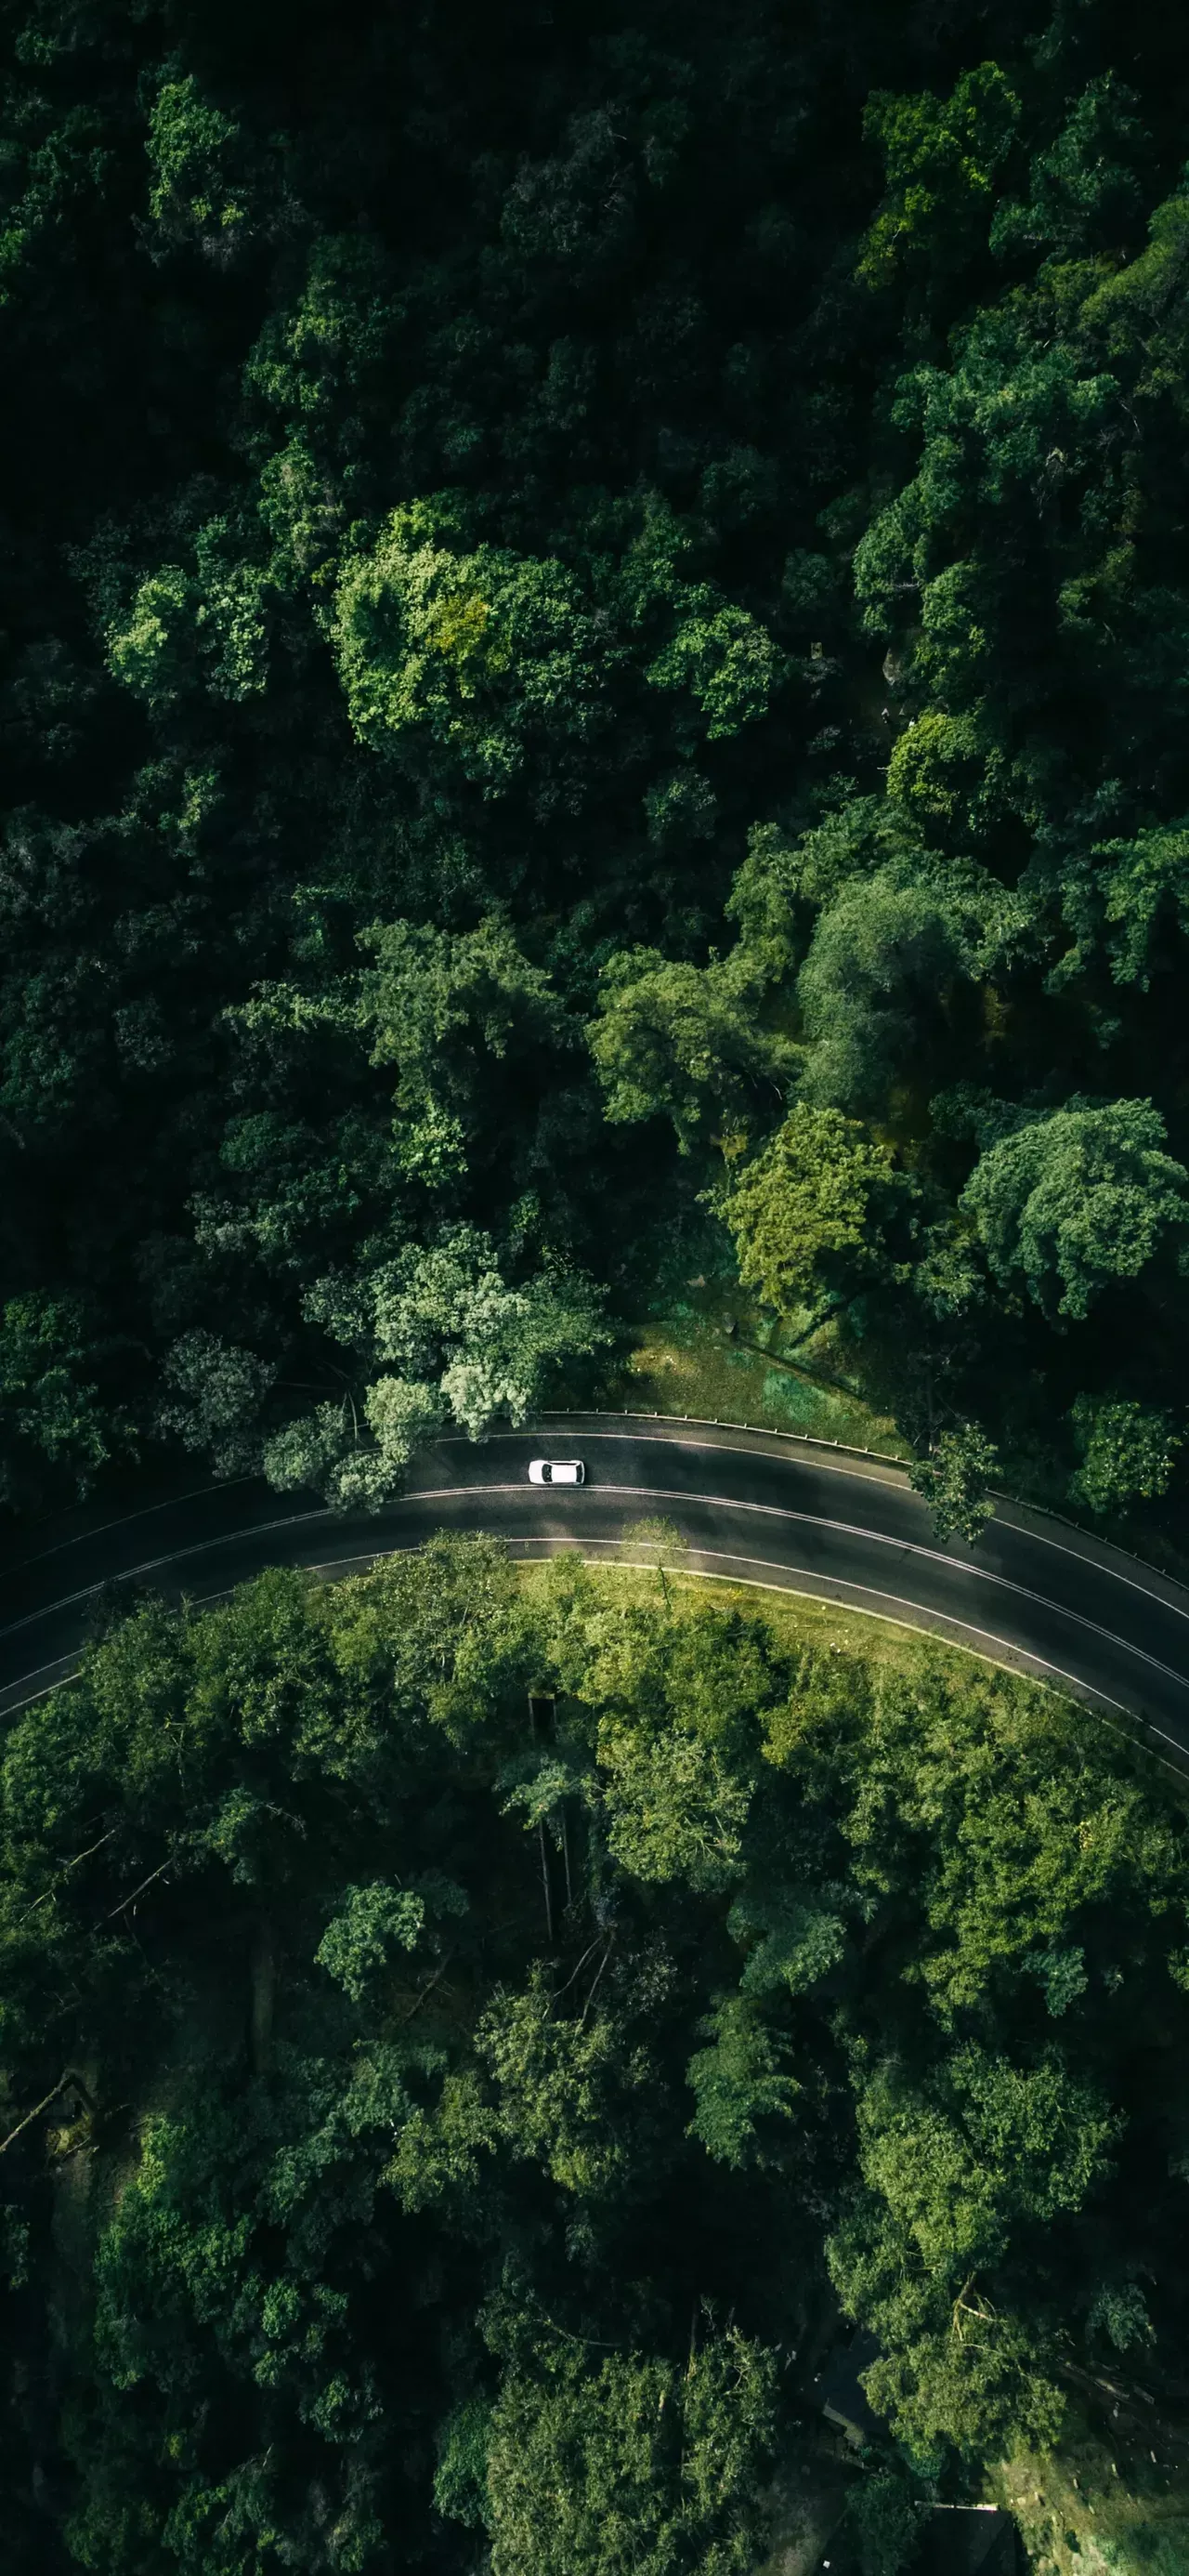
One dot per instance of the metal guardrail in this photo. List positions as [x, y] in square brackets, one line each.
[851, 1449]
[721, 1422]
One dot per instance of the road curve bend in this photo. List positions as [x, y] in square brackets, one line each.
[757, 1507]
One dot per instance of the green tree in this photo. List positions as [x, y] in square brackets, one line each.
[286, 1826]
[955, 1480]
[886, 2516]
[807, 1215]
[201, 187]
[633, 2463]
[739, 2081]
[215, 1398]
[687, 1042]
[947, 2173]
[1072, 1201]
[469, 664]
[467, 1347]
[1084, 189]
[448, 1012]
[883, 955]
[1128, 1452]
[725, 659]
[53, 1421]
[942, 159]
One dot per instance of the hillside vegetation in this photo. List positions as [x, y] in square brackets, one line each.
[593, 658]
[594, 645]
[464, 2037]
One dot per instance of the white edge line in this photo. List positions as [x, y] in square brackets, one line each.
[635, 1493]
[830, 1466]
[837, 1467]
[797, 1583]
[169, 1503]
[800, 1584]
[177, 1556]
[848, 1529]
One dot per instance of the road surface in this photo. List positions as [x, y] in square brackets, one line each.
[750, 1505]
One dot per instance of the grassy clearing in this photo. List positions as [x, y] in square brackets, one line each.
[1088, 2509]
[799, 1620]
[713, 1354]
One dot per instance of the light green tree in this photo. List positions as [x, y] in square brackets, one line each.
[465, 663]
[724, 659]
[955, 1481]
[950, 2170]
[438, 1334]
[739, 2081]
[942, 158]
[197, 154]
[632, 2466]
[204, 624]
[689, 1043]
[807, 1214]
[1128, 1452]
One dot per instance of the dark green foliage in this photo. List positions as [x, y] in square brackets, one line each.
[571, 576]
[886, 2514]
[350, 2202]
[565, 573]
[51, 1411]
[411, 576]
[978, 955]
[631, 2468]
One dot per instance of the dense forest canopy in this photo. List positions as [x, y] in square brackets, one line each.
[593, 659]
[594, 617]
[368, 2208]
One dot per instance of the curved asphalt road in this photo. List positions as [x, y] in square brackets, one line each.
[753, 1506]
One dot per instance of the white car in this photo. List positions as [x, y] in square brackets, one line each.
[556, 1471]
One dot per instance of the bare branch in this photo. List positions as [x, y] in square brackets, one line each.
[64, 1872]
[125, 1901]
[427, 1989]
[66, 2077]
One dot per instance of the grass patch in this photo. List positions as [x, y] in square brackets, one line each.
[800, 1620]
[716, 1356]
[696, 1342]
[1098, 2507]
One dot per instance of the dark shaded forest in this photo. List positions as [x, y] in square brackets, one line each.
[465, 2042]
[593, 661]
[593, 650]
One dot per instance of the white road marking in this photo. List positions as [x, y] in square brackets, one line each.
[225, 1485]
[153, 1564]
[836, 1467]
[714, 1502]
[330, 1566]
[846, 1529]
